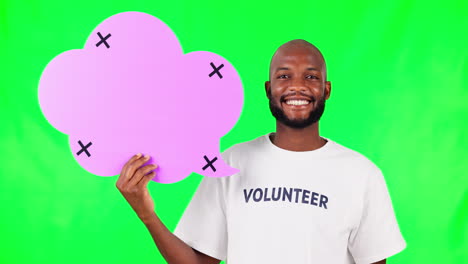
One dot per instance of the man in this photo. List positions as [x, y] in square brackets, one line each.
[298, 198]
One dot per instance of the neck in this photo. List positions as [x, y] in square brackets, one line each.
[305, 139]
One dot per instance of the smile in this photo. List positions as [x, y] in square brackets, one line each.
[297, 103]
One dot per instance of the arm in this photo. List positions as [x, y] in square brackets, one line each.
[171, 247]
[376, 236]
[132, 183]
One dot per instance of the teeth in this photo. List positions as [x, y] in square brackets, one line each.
[297, 102]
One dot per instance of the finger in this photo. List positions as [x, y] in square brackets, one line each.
[134, 166]
[123, 175]
[140, 173]
[145, 179]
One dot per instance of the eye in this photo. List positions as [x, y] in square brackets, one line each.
[312, 77]
[282, 76]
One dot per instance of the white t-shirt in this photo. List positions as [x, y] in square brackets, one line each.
[329, 205]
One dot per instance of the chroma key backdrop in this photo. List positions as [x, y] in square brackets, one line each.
[399, 96]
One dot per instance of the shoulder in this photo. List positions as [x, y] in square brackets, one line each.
[232, 154]
[355, 160]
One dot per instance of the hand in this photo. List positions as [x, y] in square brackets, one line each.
[132, 183]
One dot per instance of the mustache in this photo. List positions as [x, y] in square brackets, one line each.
[283, 97]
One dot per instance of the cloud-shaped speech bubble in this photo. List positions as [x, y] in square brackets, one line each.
[132, 89]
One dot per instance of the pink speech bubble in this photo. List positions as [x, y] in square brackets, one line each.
[132, 89]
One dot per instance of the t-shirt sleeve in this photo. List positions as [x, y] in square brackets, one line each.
[203, 224]
[377, 236]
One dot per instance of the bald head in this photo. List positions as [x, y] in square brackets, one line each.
[297, 47]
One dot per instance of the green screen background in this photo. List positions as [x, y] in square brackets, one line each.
[399, 96]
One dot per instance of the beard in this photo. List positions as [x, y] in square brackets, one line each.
[314, 114]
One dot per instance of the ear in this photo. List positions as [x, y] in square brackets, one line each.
[267, 89]
[327, 89]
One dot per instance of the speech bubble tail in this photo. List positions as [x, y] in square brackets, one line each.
[213, 165]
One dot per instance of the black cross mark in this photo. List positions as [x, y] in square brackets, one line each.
[209, 163]
[103, 40]
[84, 148]
[216, 70]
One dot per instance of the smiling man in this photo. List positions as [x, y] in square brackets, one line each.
[298, 198]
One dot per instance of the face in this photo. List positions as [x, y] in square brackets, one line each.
[297, 89]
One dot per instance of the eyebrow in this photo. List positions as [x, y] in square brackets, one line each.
[286, 68]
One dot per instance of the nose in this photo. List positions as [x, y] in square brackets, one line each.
[297, 84]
